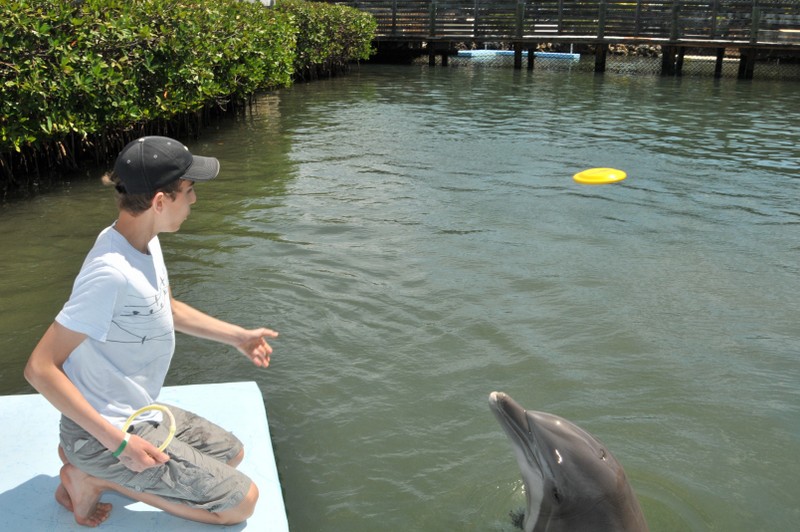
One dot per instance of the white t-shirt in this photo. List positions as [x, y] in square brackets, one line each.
[121, 301]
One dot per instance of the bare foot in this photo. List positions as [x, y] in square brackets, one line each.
[62, 496]
[84, 493]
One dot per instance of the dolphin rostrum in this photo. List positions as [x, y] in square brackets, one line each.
[572, 482]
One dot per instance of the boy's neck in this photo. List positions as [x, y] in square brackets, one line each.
[137, 230]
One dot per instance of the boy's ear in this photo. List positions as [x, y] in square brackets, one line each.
[157, 202]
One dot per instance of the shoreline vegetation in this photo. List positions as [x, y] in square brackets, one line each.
[79, 79]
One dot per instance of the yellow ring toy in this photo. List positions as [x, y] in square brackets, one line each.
[163, 409]
[599, 176]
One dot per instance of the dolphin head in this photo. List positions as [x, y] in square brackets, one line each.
[572, 482]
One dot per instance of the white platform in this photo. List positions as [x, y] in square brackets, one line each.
[30, 463]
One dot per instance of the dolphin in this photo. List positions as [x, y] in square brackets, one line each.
[572, 482]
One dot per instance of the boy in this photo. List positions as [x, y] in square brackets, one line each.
[108, 352]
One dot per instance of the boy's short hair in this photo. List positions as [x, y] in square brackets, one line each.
[137, 203]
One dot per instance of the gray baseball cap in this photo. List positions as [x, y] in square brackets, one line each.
[149, 163]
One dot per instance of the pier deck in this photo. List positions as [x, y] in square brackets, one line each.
[436, 26]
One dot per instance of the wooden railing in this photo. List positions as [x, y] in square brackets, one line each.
[710, 22]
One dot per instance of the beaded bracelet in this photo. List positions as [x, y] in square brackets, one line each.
[122, 445]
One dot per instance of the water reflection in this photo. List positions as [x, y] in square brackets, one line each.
[415, 236]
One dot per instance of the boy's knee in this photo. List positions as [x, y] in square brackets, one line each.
[244, 509]
[236, 460]
[251, 498]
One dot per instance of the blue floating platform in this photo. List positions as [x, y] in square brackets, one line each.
[31, 464]
[565, 56]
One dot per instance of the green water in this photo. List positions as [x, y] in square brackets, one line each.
[415, 235]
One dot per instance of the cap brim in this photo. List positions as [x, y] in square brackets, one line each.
[202, 169]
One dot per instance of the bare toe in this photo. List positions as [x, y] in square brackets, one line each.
[101, 513]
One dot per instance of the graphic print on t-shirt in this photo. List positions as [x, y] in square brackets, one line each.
[143, 318]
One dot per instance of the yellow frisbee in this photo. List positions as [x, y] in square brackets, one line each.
[599, 176]
[154, 407]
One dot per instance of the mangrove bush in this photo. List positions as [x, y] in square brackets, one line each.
[329, 37]
[79, 79]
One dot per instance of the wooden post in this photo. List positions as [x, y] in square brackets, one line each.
[476, 27]
[714, 15]
[601, 19]
[600, 51]
[675, 32]
[718, 64]
[747, 63]
[531, 56]
[679, 61]
[394, 17]
[432, 18]
[520, 18]
[517, 56]
[638, 19]
[668, 60]
[756, 22]
[440, 48]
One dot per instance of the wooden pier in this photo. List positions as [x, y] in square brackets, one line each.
[435, 27]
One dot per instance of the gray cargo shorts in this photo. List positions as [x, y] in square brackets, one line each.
[196, 475]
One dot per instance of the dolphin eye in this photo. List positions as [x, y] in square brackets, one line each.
[603, 455]
[556, 496]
